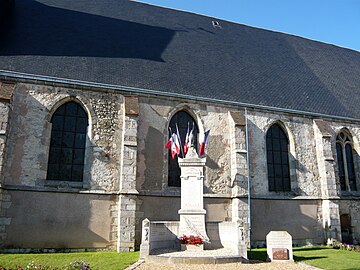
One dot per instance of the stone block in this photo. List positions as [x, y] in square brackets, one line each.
[6, 90]
[131, 207]
[114, 213]
[131, 106]
[5, 221]
[5, 205]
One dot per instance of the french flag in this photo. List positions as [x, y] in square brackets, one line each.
[174, 145]
[186, 143]
[204, 142]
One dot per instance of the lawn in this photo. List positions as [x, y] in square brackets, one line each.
[97, 260]
[322, 257]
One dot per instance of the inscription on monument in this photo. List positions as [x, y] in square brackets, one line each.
[280, 254]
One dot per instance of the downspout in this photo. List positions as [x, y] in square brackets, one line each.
[248, 177]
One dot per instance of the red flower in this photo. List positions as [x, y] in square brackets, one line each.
[191, 240]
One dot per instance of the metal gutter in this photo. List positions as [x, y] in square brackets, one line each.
[11, 75]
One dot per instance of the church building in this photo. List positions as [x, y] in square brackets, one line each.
[89, 91]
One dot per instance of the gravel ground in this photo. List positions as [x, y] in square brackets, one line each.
[227, 266]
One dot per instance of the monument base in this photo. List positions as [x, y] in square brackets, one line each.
[192, 223]
[192, 248]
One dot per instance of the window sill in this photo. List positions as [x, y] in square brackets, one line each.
[63, 184]
[57, 189]
[347, 194]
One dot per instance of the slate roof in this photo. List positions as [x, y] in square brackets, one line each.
[127, 43]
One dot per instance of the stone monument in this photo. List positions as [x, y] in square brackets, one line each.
[192, 212]
[279, 246]
[164, 235]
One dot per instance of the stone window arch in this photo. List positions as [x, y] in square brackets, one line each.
[345, 161]
[183, 119]
[67, 143]
[277, 153]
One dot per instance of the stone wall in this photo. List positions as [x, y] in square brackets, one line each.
[27, 147]
[5, 220]
[6, 92]
[311, 155]
[154, 118]
[351, 207]
[127, 163]
[304, 173]
[30, 131]
[301, 218]
[58, 220]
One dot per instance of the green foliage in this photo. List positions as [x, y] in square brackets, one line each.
[323, 257]
[68, 261]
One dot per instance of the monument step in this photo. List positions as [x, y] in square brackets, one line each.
[218, 256]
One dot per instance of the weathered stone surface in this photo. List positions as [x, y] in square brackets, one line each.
[302, 155]
[352, 208]
[125, 153]
[131, 106]
[28, 146]
[279, 246]
[6, 90]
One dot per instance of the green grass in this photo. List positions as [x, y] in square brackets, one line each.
[322, 257]
[97, 260]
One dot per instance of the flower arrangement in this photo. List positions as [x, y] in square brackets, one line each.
[191, 240]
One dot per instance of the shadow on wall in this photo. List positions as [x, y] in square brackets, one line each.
[299, 218]
[47, 219]
[37, 29]
[152, 153]
[58, 220]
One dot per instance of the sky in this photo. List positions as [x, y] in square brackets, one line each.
[331, 21]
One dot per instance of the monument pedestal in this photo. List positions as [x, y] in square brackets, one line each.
[192, 212]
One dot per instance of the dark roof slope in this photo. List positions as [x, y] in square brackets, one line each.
[132, 44]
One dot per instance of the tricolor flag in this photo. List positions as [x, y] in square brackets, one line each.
[179, 140]
[168, 144]
[186, 143]
[175, 148]
[174, 145]
[204, 142]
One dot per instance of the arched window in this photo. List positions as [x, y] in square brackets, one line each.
[344, 151]
[183, 120]
[67, 144]
[277, 150]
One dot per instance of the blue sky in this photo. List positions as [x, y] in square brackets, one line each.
[332, 21]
